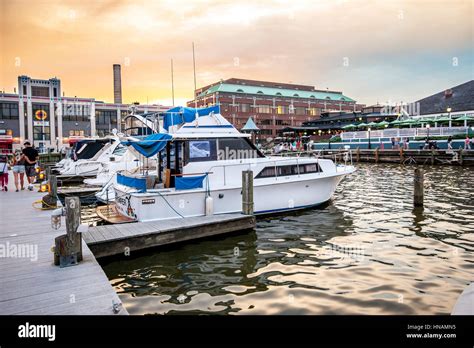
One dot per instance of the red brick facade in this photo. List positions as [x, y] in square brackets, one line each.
[271, 113]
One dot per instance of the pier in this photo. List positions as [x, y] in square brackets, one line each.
[431, 157]
[30, 283]
[122, 239]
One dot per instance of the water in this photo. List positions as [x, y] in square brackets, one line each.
[367, 252]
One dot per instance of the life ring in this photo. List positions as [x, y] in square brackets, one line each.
[41, 115]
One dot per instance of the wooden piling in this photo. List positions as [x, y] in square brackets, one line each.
[460, 156]
[418, 188]
[358, 154]
[68, 247]
[432, 156]
[402, 157]
[247, 192]
[377, 155]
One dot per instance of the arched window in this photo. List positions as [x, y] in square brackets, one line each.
[328, 98]
[259, 92]
[296, 95]
[312, 96]
[278, 93]
[240, 90]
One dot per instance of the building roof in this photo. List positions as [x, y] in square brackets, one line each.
[275, 92]
[457, 98]
[250, 126]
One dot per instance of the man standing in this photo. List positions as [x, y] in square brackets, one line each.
[31, 156]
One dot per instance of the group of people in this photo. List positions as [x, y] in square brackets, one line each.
[296, 145]
[22, 163]
[468, 143]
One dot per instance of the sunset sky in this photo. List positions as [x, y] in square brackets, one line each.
[371, 50]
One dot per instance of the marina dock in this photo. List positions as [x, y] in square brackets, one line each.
[118, 239]
[429, 157]
[30, 283]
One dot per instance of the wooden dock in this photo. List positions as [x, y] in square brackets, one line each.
[111, 240]
[33, 285]
[430, 157]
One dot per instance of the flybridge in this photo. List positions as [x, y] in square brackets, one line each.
[179, 115]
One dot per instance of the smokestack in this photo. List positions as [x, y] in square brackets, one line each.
[117, 84]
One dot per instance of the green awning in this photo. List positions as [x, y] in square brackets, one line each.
[464, 118]
[372, 124]
[362, 125]
[349, 126]
[383, 124]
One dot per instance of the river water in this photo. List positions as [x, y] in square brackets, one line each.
[366, 252]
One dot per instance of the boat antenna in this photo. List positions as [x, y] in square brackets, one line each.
[195, 94]
[172, 82]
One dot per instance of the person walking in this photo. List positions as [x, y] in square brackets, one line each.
[4, 172]
[19, 170]
[31, 157]
[450, 143]
[467, 143]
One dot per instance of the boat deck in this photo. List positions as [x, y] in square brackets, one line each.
[33, 285]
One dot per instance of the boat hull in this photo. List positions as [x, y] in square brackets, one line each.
[283, 194]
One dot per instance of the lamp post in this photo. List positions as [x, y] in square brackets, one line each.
[368, 131]
[449, 115]
[428, 131]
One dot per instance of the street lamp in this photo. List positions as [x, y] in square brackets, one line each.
[428, 130]
[449, 115]
[368, 130]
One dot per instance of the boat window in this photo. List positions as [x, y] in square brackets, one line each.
[236, 148]
[120, 150]
[289, 170]
[202, 150]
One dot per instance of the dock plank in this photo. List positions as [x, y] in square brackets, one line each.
[37, 286]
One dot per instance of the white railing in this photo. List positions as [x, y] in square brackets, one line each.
[404, 133]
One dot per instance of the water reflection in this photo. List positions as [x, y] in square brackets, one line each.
[369, 252]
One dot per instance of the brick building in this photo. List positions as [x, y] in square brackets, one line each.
[272, 105]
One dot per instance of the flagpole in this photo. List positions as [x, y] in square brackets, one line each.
[172, 81]
[195, 95]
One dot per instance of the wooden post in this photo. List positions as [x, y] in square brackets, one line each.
[418, 191]
[376, 155]
[401, 155]
[432, 156]
[358, 154]
[460, 156]
[68, 247]
[247, 192]
[51, 200]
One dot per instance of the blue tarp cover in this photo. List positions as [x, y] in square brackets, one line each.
[138, 183]
[151, 145]
[189, 182]
[179, 115]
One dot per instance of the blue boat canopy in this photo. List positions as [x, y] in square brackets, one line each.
[190, 182]
[138, 183]
[150, 145]
[179, 115]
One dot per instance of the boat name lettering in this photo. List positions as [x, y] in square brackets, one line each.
[148, 201]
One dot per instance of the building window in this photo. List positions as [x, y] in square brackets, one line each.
[39, 91]
[106, 117]
[8, 111]
[282, 109]
[41, 133]
[265, 122]
[300, 110]
[263, 109]
[313, 111]
[244, 107]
